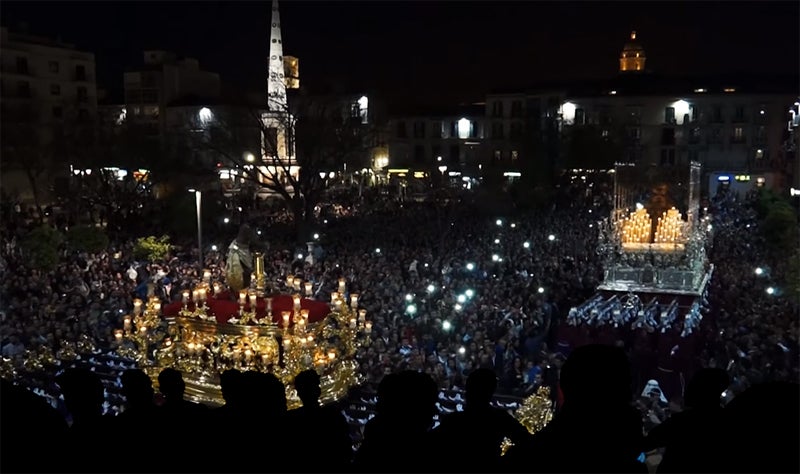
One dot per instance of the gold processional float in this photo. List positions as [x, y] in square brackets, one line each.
[194, 342]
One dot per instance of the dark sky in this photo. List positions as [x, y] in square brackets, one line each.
[427, 51]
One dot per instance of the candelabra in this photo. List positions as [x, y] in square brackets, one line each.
[534, 414]
[140, 331]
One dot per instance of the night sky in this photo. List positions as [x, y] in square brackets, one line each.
[426, 52]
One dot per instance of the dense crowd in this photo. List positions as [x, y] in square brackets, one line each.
[449, 289]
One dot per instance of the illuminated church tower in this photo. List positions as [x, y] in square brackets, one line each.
[278, 130]
[632, 57]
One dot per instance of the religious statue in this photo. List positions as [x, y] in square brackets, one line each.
[239, 266]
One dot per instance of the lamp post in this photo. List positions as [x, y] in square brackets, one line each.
[198, 196]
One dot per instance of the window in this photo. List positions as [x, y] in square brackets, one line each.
[83, 114]
[760, 154]
[580, 117]
[694, 155]
[516, 108]
[401, 129]
[497, 109]
[455, 154]
[436, 151]
[23, 89]
[761, 135]
[80, 72]
[355, 110]
[667, 156]
[497, 130]
[55, 89]
[82, 95]
[738, 135]
[694, 112]
[604, 133]
[716, 114]
[149, 96]
[668, 136]
[58, 112]
[634, 133]
[498, 155]
[22, 65]
[694, 135]
[419, 129]
[419, 154]
[514, 155]
[436, 130]
[53, 66]
[738, 114]
[270, 141]
[716, 135]
[669, 115]
[516, 130]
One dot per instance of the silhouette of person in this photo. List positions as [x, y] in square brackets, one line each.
[140, 418]
[597, 429]
[181, 416]
[264, 409]
[398, 437]
[691, 437]
[25, 419]
[88, 442]
[476, 433]
[335, 452]
[761, 430]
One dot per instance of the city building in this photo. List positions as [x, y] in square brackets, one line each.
[632, 58]
[48, 88]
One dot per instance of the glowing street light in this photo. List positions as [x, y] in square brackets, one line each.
[551, 237]
[226, 220]
[541, 290]
[513, 225]
[213, 248]
[411, 309]
[470, 266]
[497, 241]
[770, 291]
[431, 288]
[527, 245]
[759, 271]
[462, 350]
[457, 307]
[469, 293]
[461, 299]
[446, 325]
[378, 250]
[499, 222]
[316, 236]
[495, 257]
[409, 297]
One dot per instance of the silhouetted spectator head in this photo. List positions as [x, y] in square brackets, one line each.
[596, 375]
[83, 392]
[388, 393]
[245, 235]
[137, 388]
[171, 384]
[481, 385]
[307, 385]
[705, 388]
[231, 384]
[762, 429]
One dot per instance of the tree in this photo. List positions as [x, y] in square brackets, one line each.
[85, 238]
[152, 248]
[41, 245]
[318, 136]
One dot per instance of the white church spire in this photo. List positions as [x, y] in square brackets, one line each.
[276, 87]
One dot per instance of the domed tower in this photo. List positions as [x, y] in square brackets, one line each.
[632, 57]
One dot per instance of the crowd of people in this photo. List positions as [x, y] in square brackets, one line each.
[449, 291]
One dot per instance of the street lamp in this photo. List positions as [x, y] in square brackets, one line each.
[442, 169]
[198, 196]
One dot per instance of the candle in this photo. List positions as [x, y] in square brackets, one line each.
[368, 327]
[304, 314]
[289, 280]
[301, 324]
[201, 293]
[269, 305]
[354, 301]
[362, 315]
[217, 289]
[352, 323]
[118, 335]
[143, 329]
[286, 343]
[185, 295]
[127, 322]
[338, 305]
[297, 282]
[195, 296]
[264, 359]
[285, 316]
[342, 286]
[334, 297]
[157, 306]
[206, 275]
[331, 355]
[137, 305]
[168, 342]
[296, 300]
[242, 297]
[309, 288]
